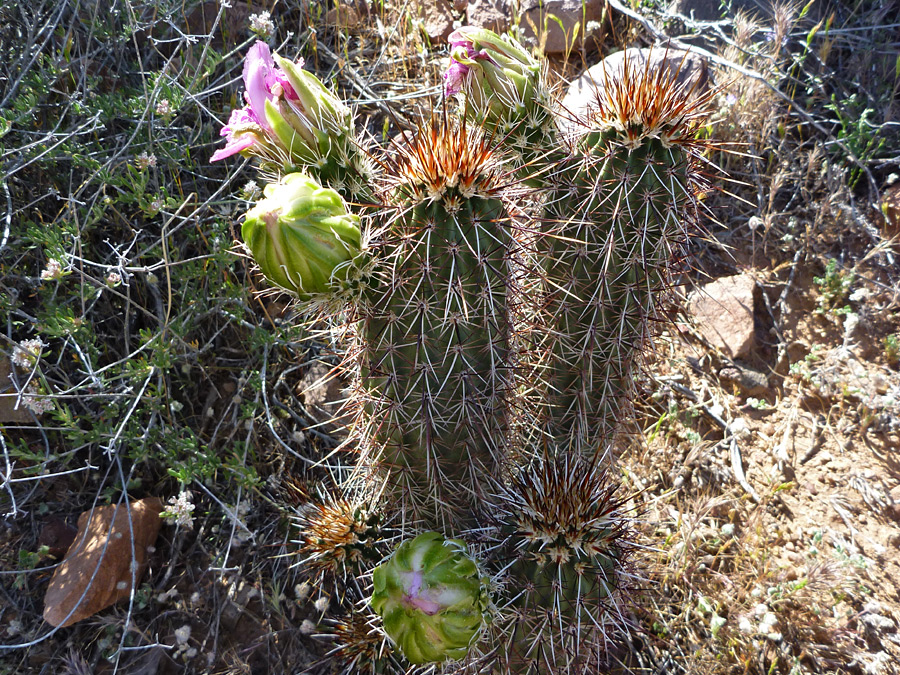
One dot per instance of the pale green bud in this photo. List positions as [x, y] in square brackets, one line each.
[431, 597]
[500, 78]
[301, 235]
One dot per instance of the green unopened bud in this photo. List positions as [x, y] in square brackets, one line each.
[431, 598]
[301, 235]
[500, 78]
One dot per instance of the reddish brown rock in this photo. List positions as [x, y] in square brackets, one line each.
[490, 14]
[97, 570]
[723, 314]
[57, 535]
[342, 16]
[556, 26]
[437, 18]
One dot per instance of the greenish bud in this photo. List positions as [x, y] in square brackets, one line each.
[500, 78]
[431, 598]
[301, 235]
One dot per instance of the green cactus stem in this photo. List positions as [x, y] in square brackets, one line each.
[567, 554]
[302, 236]
[623, 203]
[432, 598]
[435, 359]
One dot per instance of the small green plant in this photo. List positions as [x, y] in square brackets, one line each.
[834, 288]
[892, 349]
[860, 135]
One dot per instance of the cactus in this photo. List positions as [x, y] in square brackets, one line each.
[624, 202]
[434, 359]
[302, 236]
[432, 598]
[462, 306]
[565, 550]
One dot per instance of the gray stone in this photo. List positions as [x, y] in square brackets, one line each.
[690, 70]
[490, 14]
[723, 314]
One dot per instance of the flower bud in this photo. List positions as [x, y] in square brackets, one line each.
[317, 115]
[431, 598]
[498, 76]
[301, 235]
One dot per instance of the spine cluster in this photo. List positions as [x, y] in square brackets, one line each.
[495, 297]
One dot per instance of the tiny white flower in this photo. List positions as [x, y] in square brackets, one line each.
[143, 161]
[53, 271]
[113, 279]
[183, 634]
[180, 509]
[251, 191]
[34, 401]
[26, 353]
[262, 25]
[164, 107]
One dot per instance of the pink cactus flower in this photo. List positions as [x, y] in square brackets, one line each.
[237, 136]
[263, 81]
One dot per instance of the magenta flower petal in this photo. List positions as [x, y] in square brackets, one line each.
[455, 77]
[257, 74]
[458, 39]
[237, 139]
[234, 145]
[279, 78]
[240, 117]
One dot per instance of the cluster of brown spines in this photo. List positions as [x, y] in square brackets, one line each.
[339, 536]
[360, 646]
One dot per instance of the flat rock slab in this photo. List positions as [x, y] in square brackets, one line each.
[690, 71]
[97, 569]
[723, 314]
